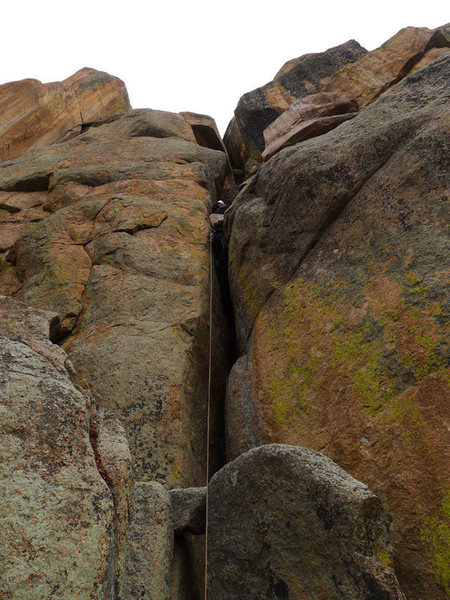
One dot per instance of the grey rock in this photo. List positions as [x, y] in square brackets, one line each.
[150, 544]
[287, 522]
[56, 511]
[242, 428]
[188, 509]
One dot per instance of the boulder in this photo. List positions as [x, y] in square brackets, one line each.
[122, 256]
[287, 522]
[36, 114]
[337, 273]
[56, 510]
[188, 510]
[258, 108]
[150, 544]
[304, 130]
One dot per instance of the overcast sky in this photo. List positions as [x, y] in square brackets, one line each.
[194, 55]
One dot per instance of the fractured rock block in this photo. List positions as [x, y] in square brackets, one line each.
[188, 509]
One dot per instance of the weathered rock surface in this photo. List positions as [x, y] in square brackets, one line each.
[297, 78]
[56, 510]
[366, 79]
[242, 428]
[337, 272]
[304, 130]
[123, 259]
[287, 522]
[35, 114]
[188, 510]
[150, 544]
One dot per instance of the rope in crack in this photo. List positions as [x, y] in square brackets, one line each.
[208, 417]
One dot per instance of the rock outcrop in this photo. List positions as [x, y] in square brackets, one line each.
[286, 522]
[349, 80]
[334, 280]
[337, 273]
[35, 114]
[297, 78]
[122, 256]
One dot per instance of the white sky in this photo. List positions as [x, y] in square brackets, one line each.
[191, 55]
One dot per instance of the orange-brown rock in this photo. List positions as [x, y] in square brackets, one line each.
[367, 78]
[312, 116]
[34, 114]
[338, 273]
[123, 258]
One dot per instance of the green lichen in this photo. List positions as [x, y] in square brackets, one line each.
[385, 557]
[289, 391]
[436, 532]
[363, 355]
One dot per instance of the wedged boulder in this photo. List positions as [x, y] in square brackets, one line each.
[188, 510]
[123, 258]
[205, 130]
[258, 108]
[286, 522]
[150, 544]
[35, 114]
[337, 272]
[56, 510]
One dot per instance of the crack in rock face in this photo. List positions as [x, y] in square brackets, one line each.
[316, 229]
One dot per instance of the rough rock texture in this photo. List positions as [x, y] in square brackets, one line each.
[287, 522]
[297, 78]
[56, 511]
[188, 510]
[337, 271]
[123, 258]
[34, 114]
[114, 461]
[242, 428]
[150, 544]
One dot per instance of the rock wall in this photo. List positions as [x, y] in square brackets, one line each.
[337, 271]
[336, 265]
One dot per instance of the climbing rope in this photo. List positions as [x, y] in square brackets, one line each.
[208, 418]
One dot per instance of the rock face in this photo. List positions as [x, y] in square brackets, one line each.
[56, 510]
[336, 265]
[297, 78]
[337, 276]
[150, 544]
[286, 522]
[35, 114]
[122, 256]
